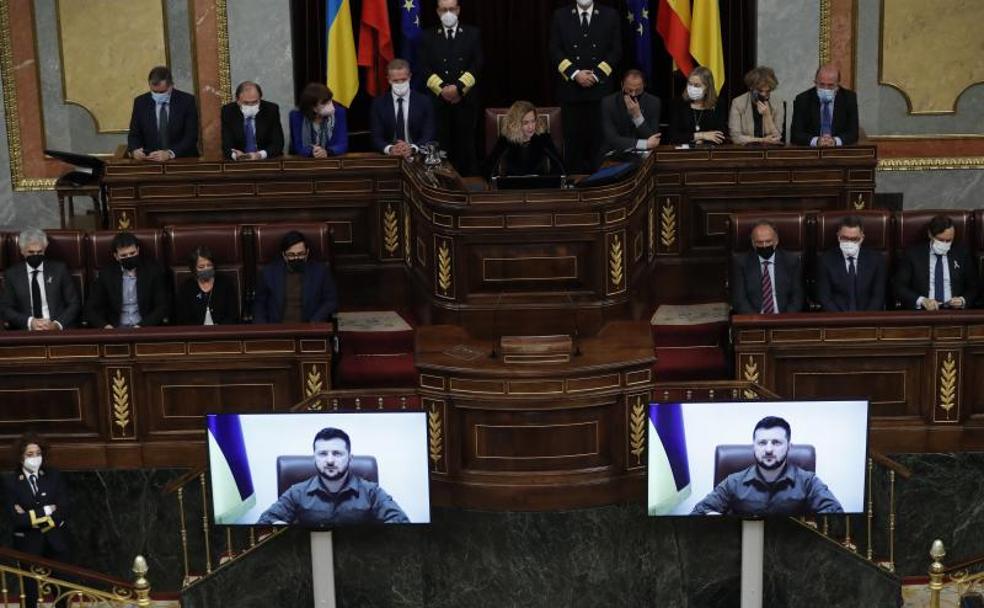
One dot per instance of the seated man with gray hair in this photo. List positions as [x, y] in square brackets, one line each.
[38, 294]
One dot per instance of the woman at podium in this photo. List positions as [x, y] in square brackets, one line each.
[523, 147]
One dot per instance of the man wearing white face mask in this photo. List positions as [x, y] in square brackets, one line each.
[451, 57]
[937, 274]
[164, 123]
[251, 127]
[826, 115]
[850, 277]
[585, 48]
[37, 506]
[401, 119]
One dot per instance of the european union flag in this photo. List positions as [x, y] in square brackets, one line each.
[642, 33]
[410, 26]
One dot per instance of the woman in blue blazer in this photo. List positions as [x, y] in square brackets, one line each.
[318, 127]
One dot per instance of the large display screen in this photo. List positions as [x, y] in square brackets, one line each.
[317, 470]
[757, 459]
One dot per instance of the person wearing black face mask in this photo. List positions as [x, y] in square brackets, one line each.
[294, 289]
[766, 280]
[629, 118]
[205, 297]
[38, 294]
[130, 293]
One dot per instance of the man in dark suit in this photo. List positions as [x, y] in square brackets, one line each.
[850, 277]
[38, 294]
[402, 119]
[164, 122]
[826, 115]
[294, 289]
[585, 47]
[451, 57]
[766, 280]
[131, 293]
[937, 274]
[37, 506]
[630, 117]
[251, 128]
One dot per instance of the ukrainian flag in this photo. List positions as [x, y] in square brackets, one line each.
[343, 68]
[669, 468]
[232, 483]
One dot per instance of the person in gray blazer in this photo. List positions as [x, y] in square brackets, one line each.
[629, 118]
[38, 294]
[766, 280]
[757, 116]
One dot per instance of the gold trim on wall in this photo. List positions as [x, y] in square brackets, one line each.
[222, 36]
[931, 163]
[824, 31]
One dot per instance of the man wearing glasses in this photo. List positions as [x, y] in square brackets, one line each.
[294, 289]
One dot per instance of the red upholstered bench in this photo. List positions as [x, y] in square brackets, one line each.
[376, 350]
[689, 342]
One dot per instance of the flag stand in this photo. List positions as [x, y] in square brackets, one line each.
[752, 562]
[323, 569]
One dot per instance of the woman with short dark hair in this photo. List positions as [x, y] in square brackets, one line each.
[318, 126]
[206, 297]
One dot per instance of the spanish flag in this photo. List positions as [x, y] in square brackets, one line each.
[705, 39]
[343, 71]
[673, 25]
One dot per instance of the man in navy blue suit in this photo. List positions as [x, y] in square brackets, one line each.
[164, 122]
[401, 120]
[850, 277]
[294, 289]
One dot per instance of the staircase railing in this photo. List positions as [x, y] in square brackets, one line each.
[77, 586]
[967, 575]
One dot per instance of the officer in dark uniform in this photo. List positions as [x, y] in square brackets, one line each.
[451, 58]
[585, 47]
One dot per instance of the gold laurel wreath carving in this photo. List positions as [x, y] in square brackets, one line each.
[315, 383]
[391, 230]
[615, 263]
[859, 202]
[948, 383]
[637, 430]
[436, 434]
[121, 401]
[751, 373]
[668, 232]
[444, 267]
[123, 221]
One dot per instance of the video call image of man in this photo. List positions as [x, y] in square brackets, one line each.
[766, 280]
[130, 293]
[937, 273]
[334, 495]
[251, 128]
[849, 276]
[629, 118]
[826, 115]
[771, 486]
[401, 120]
[164, 121]
[38, 294]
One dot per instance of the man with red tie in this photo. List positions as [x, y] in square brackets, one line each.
[766, 280]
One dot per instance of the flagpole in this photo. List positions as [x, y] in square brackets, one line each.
[323, 570]
[752, 562]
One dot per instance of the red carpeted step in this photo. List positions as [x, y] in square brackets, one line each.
[376, 350]
[677, 364]
[377, 371]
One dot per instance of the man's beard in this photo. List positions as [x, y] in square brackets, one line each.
[772, 467]
[338, 474]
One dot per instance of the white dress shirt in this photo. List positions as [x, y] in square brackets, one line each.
[947, 293]
[406, 119]
[46, 314]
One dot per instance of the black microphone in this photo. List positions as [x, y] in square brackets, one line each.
[576, 338]
[495, 326]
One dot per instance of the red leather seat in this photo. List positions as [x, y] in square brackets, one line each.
[877, 225]
[66, 246]
[225, 242]
[911, 226]
[268, 237]
[101, 253]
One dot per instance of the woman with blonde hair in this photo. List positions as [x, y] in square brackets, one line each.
[756, 117]
[523, 147]
[697, 116]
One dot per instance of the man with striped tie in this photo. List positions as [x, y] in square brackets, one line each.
[766, 280]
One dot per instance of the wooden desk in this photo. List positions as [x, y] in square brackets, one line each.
[135, 398]
[922, 372]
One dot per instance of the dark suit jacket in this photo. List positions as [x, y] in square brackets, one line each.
[51, 491]
[190, 303]
[538, 157]
[806, 117]
[833, 285]
[59, 289]
[444, 61]
[319, 297]
[570, 50]
[620, 133]
[269, 131]
[106, 298]
[911, 279]
[182, 124]
[746, 283]
[420, 123]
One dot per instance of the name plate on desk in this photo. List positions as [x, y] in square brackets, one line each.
[536, 349]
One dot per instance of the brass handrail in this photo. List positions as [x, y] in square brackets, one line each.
[904, 471]
[119, 593]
